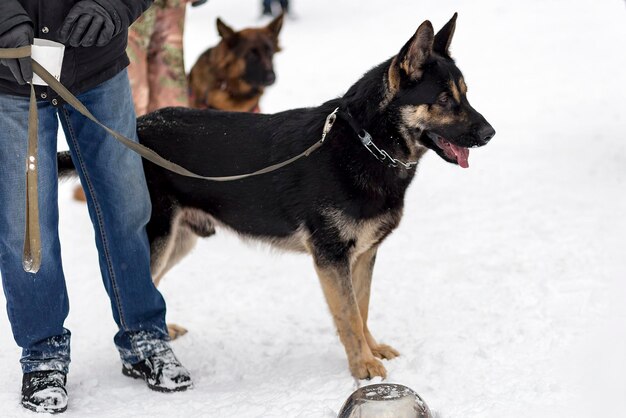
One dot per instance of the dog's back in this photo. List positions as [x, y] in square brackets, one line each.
[216, 143]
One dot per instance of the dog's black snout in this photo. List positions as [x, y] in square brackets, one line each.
[486, 133]
[270, 78]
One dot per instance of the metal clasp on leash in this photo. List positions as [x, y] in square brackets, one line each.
[330, 121]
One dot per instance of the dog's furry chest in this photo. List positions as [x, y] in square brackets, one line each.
[362, 234]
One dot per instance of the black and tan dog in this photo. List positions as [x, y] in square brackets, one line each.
[339, 203]
[234, 74]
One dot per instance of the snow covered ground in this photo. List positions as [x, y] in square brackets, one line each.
[501, 288]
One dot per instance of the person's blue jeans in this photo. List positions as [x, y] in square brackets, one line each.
[267, 6]
[119, 206]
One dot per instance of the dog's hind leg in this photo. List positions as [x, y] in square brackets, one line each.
[181, 242]
[337, 286]
[172, 239]
[160, 230]
[180, 237]
[362, 270]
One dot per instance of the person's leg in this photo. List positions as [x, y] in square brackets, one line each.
[166, 67]
[119, 206]
[37, 304]
[267, 7]
[139, 35]
[138, 39]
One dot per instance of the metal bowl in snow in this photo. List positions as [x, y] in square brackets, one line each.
[385, 400]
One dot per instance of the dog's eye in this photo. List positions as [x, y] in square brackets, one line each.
[443, 100]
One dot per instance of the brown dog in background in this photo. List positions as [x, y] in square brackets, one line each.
[234, 74]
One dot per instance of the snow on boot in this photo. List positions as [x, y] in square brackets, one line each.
[162, 372]
[44, 391]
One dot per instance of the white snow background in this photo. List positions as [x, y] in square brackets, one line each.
[501, 287]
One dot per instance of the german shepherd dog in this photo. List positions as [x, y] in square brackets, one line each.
[234, 74]
[339, 203]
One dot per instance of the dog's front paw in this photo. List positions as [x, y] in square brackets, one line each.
[368, 369]
[384, 351]
[176, 331]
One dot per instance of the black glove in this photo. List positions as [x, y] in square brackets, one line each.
[196, 3]
[87, 24]
[20, 35]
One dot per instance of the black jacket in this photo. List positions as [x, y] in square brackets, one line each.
[83, 68]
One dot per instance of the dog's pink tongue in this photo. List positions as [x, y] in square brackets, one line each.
[462, 155]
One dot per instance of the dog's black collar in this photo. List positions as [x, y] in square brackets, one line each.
[367, 141]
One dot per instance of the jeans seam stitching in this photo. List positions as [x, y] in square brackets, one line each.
[98, 211]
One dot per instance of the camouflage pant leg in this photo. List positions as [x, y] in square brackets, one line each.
[174, 3]
[139, 35]
[166, 69]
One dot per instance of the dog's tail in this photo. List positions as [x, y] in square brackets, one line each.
[66, 167]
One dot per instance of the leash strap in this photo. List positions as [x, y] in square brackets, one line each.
[31, 255]
[31, 260]
[146, 152]
[32, 240]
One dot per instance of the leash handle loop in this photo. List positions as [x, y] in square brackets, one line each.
[31, 258]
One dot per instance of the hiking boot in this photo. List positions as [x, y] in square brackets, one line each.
[44, 391]
[162, 372]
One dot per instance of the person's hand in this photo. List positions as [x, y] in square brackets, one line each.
[20, 35]
[87, 24]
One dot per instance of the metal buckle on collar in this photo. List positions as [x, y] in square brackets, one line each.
[365, 137]
[368, 142]
[380, 154]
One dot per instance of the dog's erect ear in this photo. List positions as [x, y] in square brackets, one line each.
[224, 30]
[416, 52]
[444, 37]
[276, 25]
